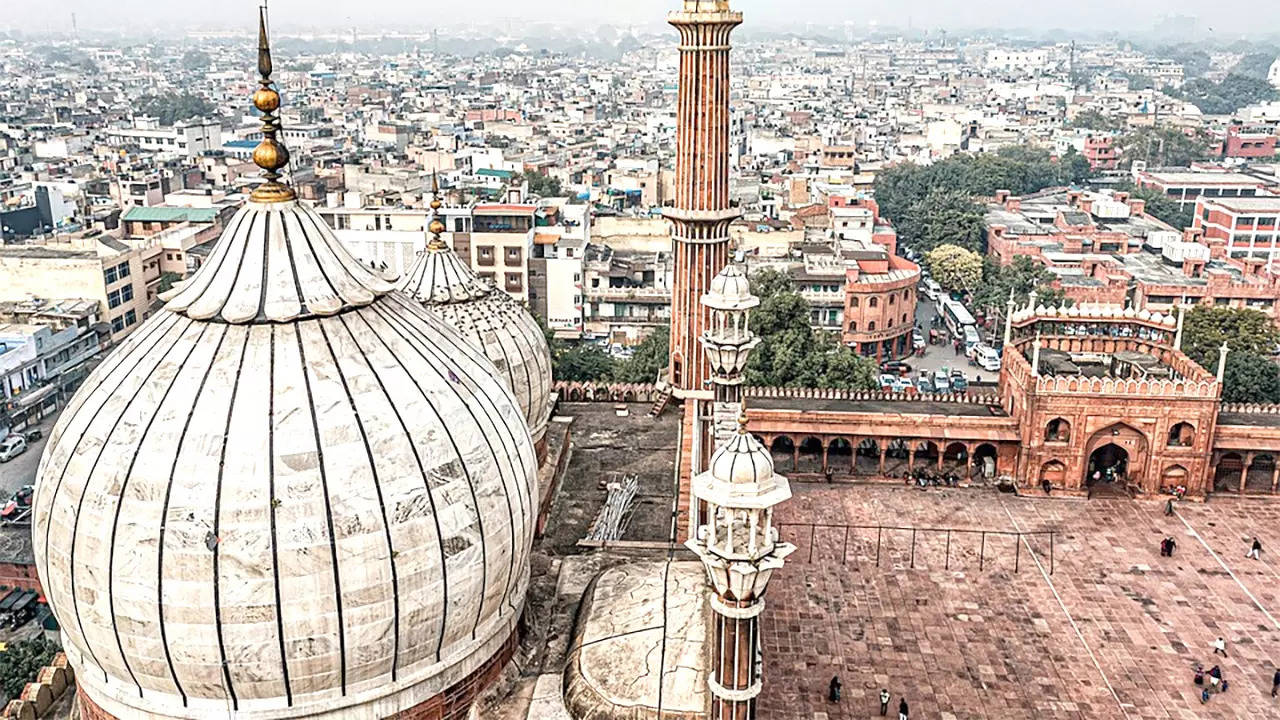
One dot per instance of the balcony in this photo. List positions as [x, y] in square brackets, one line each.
[629, 294]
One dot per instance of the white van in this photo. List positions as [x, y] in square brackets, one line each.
[971, 339]
[988, 358]
[930, 289]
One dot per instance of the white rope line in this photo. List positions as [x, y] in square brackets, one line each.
[1229, 572]
[1049, 581]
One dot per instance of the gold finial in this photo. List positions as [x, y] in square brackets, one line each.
[436, 226]
[742, 422]
[271, 155]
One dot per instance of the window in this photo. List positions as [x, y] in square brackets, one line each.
[893, 299]
[513, 256]
[1182, 435]
[117, 324]
[458, 225]
[123, 269]
[853, 302]
[513, 282]
[130, 318]
[904, 318]
[871, 326]
[484, 255]
[1058, 430]
[853, 326]
[873, 302]
[110, 275]
[126, 293]
[113, 299]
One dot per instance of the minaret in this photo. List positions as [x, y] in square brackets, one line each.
[727, 342]
[701, 216]
[740, 551]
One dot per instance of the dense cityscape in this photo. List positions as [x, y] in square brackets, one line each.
[636, 318]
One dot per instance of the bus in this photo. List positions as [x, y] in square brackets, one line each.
[956, 316]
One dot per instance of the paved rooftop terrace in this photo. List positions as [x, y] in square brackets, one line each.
[1112, 633]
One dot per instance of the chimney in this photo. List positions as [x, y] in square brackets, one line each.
[1002, 196]
[1137, 207]
[1073, 197]
[1013, 204]
[1122, 197]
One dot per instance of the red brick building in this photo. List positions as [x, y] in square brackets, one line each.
[1253, 143]
[1100, 151]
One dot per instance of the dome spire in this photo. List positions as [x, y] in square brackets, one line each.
[436, 226]
[271, 155]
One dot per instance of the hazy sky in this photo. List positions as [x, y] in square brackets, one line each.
[1225, 17]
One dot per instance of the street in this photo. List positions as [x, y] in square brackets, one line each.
[938, 357]
[22, 469]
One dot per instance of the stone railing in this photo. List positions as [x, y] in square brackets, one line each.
[606, 392]
[799, 393]
[1155, 387]
[38, 697]
[1251, 408]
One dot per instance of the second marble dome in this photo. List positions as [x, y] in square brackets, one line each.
[493, 320]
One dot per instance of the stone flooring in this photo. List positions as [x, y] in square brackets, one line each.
[1113, 632]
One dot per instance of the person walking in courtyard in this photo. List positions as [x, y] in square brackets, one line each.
[884, 698]
[1219, 647]
[1173, 545]
[1255, 550]
[902, 709]
[833, 692]
[1164, 547]
[1168, 507]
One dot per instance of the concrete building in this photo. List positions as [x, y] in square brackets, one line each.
[1187, 186]
[42, 364]
[1240, 228]
[188, 139]
[121, 277]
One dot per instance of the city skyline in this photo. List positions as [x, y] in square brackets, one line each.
[1230, 19]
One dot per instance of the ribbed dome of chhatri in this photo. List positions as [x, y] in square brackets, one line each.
[291, 493]
[490, 318]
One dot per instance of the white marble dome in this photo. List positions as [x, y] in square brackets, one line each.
[291, 492]
[491, 319]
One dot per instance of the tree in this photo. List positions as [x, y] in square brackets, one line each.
[1234, 92]
[1159, 206]
[1093, 120]
[944, 217]
[1023, 277]
[195, 60]
[1246, 332]
[175, 109]
[1251, 378]
[543, 185]
[791, 353]
[584, 362]
[1164, 147]
[955, 268]
[20, 662]
[649, 357]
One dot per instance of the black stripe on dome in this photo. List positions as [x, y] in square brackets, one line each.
[303, 310]
[377, 486]
[405, 331]
[328, 509]
[164, 519]
[124, 488]
[418, 341]
[235, 281]
[147, 350]
[271, 495]
[210, 271]
[217, 513]
[426, 482]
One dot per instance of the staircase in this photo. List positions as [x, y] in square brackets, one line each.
[660, 404]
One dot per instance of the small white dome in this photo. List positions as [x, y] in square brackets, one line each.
[491, 319]
[1130, 313]
[730, 290]
[742, 460]
[1144, 314]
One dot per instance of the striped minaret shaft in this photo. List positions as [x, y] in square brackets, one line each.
[701, 216]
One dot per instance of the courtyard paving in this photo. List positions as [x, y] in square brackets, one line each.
[1112, 632]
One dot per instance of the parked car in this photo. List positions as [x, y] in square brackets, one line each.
[917, 339]
[987, 357]
[959, 383]
[33, 435]
[895, 367]
[11, 447]
[924, 383]
[941, 381]
[895, 384]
